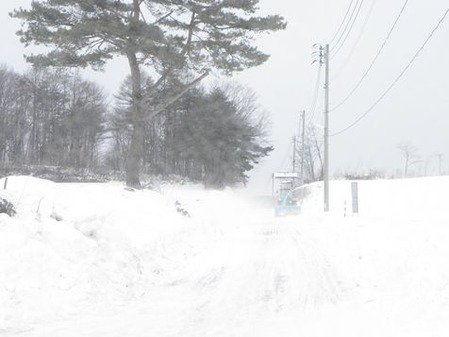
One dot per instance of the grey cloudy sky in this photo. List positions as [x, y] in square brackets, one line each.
[416, 110]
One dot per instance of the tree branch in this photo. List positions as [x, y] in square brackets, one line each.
[158, 21]
[174, 98]
[189, 36]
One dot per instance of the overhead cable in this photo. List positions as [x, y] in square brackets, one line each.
[348, 22]
[373, 61]
[350, 26]
[342, 22]
[357, 40]
[397, 78]
[312, 109]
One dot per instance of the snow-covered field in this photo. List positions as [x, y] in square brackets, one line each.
[99, 260]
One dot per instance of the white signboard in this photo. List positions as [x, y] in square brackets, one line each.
[285, 175]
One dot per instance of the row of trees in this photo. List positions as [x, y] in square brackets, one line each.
[170, 38]
[214, 136]
[52, 116]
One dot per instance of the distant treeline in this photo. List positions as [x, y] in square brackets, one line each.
[54, 117]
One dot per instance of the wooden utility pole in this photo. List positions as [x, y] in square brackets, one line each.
[294, 155]
[323, 58]
[326, 130]
[303, 146]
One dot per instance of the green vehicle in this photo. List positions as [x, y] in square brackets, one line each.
[287, 204]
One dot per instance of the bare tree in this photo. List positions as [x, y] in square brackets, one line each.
[49, 117]
[313, 156]
[166, 37]
[409, 152]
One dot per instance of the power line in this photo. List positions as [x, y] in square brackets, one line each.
[357, 12]
[357, 40]
[313, 106]
[286, 156]
[346, 25]
[397, 78]
[373, 61]
[342, 22]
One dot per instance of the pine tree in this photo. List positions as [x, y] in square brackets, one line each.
[168, 36]
[220, 139]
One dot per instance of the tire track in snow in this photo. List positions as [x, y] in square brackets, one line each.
[245, 275]
[262, 269]
[296, 260]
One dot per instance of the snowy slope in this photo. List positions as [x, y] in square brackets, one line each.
[99, 260]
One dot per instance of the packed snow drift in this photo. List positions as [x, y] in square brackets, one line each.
[102, 260]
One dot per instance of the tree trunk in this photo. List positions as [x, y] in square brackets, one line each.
[406, 165]
[135, 153]
[134, 157]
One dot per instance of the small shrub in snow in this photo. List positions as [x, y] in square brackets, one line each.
[56, 216]
[7, 207]
[181, 209]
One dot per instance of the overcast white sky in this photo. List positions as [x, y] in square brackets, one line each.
[416, 110]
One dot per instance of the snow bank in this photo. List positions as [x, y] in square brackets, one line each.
[101, 260]
[392, 257]
[75, 247]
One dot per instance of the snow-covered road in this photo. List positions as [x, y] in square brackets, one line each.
[133, 266]
[250, 275]
[245, 275]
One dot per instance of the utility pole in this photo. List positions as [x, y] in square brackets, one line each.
[294, 154]
[322, 53]
[440, 159]
[303, 147]
[326, 130]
